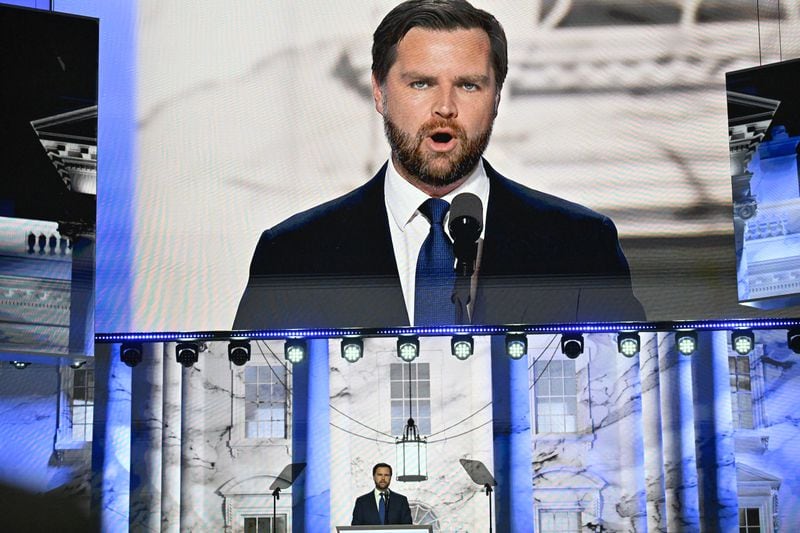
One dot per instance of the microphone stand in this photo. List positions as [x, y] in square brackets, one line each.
[466, 254]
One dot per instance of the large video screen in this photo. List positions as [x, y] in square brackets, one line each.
[764, 125]
[607, 190]
[48, 181]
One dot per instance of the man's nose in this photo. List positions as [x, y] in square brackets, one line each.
[445, 104]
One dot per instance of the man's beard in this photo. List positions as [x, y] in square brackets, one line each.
[421, 165]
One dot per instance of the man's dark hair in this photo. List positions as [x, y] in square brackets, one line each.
[381, 465]
[436, 15]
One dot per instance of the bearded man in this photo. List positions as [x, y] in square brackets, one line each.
[373, 258]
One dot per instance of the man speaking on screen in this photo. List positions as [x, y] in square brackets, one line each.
[381, 506]
[438, 236]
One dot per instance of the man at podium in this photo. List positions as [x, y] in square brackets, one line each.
[380, 505]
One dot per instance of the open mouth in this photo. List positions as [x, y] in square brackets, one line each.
[441, 137]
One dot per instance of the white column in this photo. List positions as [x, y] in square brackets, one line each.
[146, 424]
[171, 441]
[633, 500]
[649, 378]
[193, 465]
[716, 466]
[677, 427]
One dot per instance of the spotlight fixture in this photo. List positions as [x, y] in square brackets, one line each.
[77, 363]
[19, 365]
[130, 353]
[352, 349]
[516, 345]
[686, 341]
[239, 352]
[462, 346]
[408, 347]
[186, 353]
[743, 341]
[572, 344]
[294, 350]
[628, 343]
[793, 339]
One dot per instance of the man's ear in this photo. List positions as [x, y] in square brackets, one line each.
[496, 102]
[377, 94]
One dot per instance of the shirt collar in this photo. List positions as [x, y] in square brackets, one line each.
[403, 199]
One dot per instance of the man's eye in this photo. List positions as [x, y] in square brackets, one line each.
[419, 84]
[470, 87]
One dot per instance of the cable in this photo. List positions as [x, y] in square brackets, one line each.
[780, 46]
[461, 421]
[758, 22]
[361, 436]
[460, 434]
[360, 423]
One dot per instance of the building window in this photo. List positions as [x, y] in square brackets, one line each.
[75, 407]
[265, 403]
[559, 521]
[555, 396]
[82, 404]
[417, 377]
[741, 391]
[749, 520]
[263, 524]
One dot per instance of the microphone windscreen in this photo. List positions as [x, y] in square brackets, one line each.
[466, 210]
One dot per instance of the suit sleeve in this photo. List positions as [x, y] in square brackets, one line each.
[358, 515]
[405, 510]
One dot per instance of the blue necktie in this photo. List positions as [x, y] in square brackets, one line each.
[433, 304]
[382, 508]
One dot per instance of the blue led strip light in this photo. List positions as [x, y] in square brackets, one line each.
[442, 331]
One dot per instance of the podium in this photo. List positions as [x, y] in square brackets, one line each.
[378, 529]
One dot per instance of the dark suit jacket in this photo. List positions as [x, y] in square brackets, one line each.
[544, 260]
[365, 511]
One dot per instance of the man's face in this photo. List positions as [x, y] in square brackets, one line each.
[438, 102]
[382, 478]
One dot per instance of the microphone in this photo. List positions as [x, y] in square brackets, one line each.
[466, 223]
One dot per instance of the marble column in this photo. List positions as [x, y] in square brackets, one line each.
[193, 463]
[311, 509]
[651, 434]
[111, 443]
[632, 505]
[713, 425]
[146, 435]
[513, 454]
[677, 428]
[171, 441]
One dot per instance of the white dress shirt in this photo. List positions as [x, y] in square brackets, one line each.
[409, 227]
[378, 497]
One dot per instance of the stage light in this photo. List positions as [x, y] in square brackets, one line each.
[294, 350]
[462, 346]
[352, 349]
[408, 347]
[77, 363]
[186, 353]
[793, 339]
[19, 365]
[130, 353]
[743, 341]
[572, 344]
[628, 343]
[686, 341]
[239, 352]
[516, 345]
